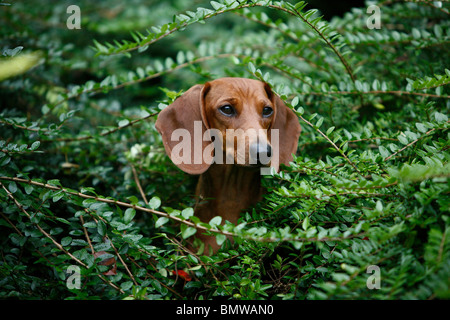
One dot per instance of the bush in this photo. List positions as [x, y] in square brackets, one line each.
[91, 207]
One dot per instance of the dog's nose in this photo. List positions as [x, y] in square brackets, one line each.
[260, 153]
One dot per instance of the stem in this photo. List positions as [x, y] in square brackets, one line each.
[58, 245]
[164, 214]
[332, 143]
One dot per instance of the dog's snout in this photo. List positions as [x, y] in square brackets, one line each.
[260, 153]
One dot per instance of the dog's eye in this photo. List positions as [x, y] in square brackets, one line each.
[267, 111]
[227, 110]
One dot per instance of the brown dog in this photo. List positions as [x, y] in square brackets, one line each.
[231, 127]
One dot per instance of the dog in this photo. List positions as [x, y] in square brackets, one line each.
[231, 129]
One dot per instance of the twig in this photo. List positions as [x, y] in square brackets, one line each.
[58, 245]
[332, 143]
[103, 134]
[150, 77]
[370, 139]
[86, 234]
[112, 245]
[308, 168]
[396, 92]
[121, 260]
[23, 127]
[156, 279]
[138, 184]
[12, 224]
[177, 219]
[409, 144]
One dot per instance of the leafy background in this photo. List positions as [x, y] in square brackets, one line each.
[84, 179]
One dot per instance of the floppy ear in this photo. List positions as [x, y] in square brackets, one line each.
[288, 126]
[181, 127]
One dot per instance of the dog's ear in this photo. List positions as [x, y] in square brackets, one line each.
[288, 127]
[182, 127]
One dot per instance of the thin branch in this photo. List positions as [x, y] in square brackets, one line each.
[112, 245]
[58, 245]
[156, 279]
[15, 125]
[396, 92]
[86, 234]
[335, 50]
[410, 144]
[177, 219]
[332, 143]
[138, 184]
[149, 77]
[103, 134]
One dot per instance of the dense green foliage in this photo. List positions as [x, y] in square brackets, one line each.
[84, 179]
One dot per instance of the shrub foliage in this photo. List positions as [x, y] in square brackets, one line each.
[85, 182]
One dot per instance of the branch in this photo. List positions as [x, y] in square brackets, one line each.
[410, 144]
[58, 245]
[103, 134]
[332, 143]
[396, 92]
[177, 219]
[147, 78]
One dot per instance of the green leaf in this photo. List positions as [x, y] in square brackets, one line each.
[437, 30]
[305, 223]
[154, 203]
[379, 206]
[54, 182]
[181, 57]
[188, 232]
[129, 215]
[133, 238]
[66, 241]
[220, 238]
[440, 117]
[421, 127]
[216, 221]
[62, 220]
[28, 189]
[217, 6]
[379, 106]
[187, 213]
[126, 285]
[12, 187]
[330, 130]
[35, 145]
[161, 221]
[133, 200]
[384, 152]
[123, 123]
[402, 139]
[57, 196]
[252, 67]
[5, 161]
[101, 228]
[300, 5]
[319, 123]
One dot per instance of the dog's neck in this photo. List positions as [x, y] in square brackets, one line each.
[225, 190]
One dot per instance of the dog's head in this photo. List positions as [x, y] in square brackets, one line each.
[228, 120]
